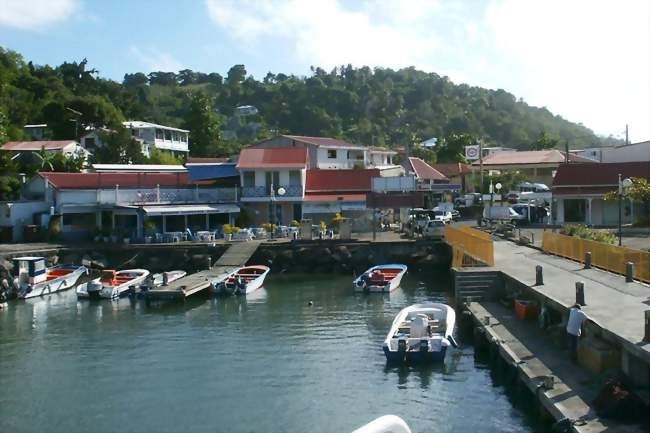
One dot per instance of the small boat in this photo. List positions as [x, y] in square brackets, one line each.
[385, 424]
[112, 284]
[33, 278]
[421, 333]
[241, 281]
[161, 279]
[381, 278]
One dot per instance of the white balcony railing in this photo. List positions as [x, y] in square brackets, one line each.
[166, 195]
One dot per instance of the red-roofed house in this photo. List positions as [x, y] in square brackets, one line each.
[273, 182]
[578, 191]
[67, 147]
[124, 202]
[332, 153]
[457, 173]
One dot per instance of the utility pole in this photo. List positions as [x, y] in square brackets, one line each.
[566, 151]
[480, 159]
[627, 136]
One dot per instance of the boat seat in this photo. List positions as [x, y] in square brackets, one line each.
[59, 272]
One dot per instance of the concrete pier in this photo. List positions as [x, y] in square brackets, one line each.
[523, 347]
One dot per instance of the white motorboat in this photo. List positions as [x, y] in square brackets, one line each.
[162, 279]
[421, 333]
[241, 281]
[385, 424]
[381, 278]
[112, 284]
[33, 278]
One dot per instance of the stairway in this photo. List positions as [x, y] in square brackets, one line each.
[476, 285]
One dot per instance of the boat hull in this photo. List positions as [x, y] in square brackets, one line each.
[60, 284]
[222, 287]
[414, 357]
[360, 287]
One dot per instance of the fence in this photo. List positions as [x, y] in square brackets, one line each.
[470, 247]
[609, 257]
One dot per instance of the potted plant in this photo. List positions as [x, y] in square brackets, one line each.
[227, 231]
[336, 221]
[322, 227]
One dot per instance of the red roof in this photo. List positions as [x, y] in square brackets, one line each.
[18, 146]
[340, 180]
[453, 169]
[423, 170]
[110, 180]
[334, 197]
[273, 157]
[549, 156]
[596, 178]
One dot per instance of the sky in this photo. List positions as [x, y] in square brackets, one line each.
[586, 60]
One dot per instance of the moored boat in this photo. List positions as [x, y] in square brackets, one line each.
[381, 278]
[421, 333]
[162, 279]
[241, 281]
[33, 278]
[112, 284]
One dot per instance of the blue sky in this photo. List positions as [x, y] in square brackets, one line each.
[587, 60]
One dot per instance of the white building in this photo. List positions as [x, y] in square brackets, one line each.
[150, 135]
[632, 152]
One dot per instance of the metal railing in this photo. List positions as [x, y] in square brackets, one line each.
[162, 195]
[470, 247]
[609, 257]
[262, 191]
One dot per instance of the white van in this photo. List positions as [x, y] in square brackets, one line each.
[502, 213]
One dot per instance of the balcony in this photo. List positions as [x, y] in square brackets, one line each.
[262, 192]
[166, 196]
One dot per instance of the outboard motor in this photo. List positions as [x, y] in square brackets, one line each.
[401, 345]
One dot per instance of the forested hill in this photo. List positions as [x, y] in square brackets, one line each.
[370, 106]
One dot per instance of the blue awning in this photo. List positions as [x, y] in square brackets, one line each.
[212, 171]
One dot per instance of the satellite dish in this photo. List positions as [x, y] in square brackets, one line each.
[282, 191]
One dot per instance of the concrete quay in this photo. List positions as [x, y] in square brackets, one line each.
[528, 352]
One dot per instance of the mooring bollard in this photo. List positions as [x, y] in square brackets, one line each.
[588, 260]
[209, 262]
[629, 272]
[646, 335]
[580, 293]
[539, 276]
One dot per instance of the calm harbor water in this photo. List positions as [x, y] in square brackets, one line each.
[269, 363]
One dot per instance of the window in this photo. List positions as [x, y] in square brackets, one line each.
[331, 153]
[90, 142]
[249, 178]
[295, 178]
[168, 135]
[159, 134]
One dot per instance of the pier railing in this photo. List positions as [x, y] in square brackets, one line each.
[609, 257]
[470, 247]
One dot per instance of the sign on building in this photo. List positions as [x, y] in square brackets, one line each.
[471, 152]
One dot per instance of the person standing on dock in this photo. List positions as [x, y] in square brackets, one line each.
[574, 329]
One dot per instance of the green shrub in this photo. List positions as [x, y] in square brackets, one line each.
[584, 232]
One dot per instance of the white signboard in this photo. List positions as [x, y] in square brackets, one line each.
[471, 152]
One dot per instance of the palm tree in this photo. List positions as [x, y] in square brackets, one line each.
[46, 158]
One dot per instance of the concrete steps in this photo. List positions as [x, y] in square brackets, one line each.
[475, 285]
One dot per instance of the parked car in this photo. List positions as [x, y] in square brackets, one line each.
[434, 230]
[443, 215]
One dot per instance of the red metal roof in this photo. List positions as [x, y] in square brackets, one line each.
[453, 169]
[110, 180]
[340, 180]
[24, 146]
[596, 178]
[549, 156]
[423, 170]
[334, 197]
[272, 157]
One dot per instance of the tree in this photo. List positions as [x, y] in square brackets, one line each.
[205, 128]
[119, 147]
[134, 80]
[639, 191]
[545, 141]
[452, 148]
[165, 158]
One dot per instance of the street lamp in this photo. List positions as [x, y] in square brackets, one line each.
[498, 186]
[622, 184]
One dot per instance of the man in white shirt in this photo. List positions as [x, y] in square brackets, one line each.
[574, 329]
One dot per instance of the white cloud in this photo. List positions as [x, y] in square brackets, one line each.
[155, 60]
[33, 14]
[587, 60]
